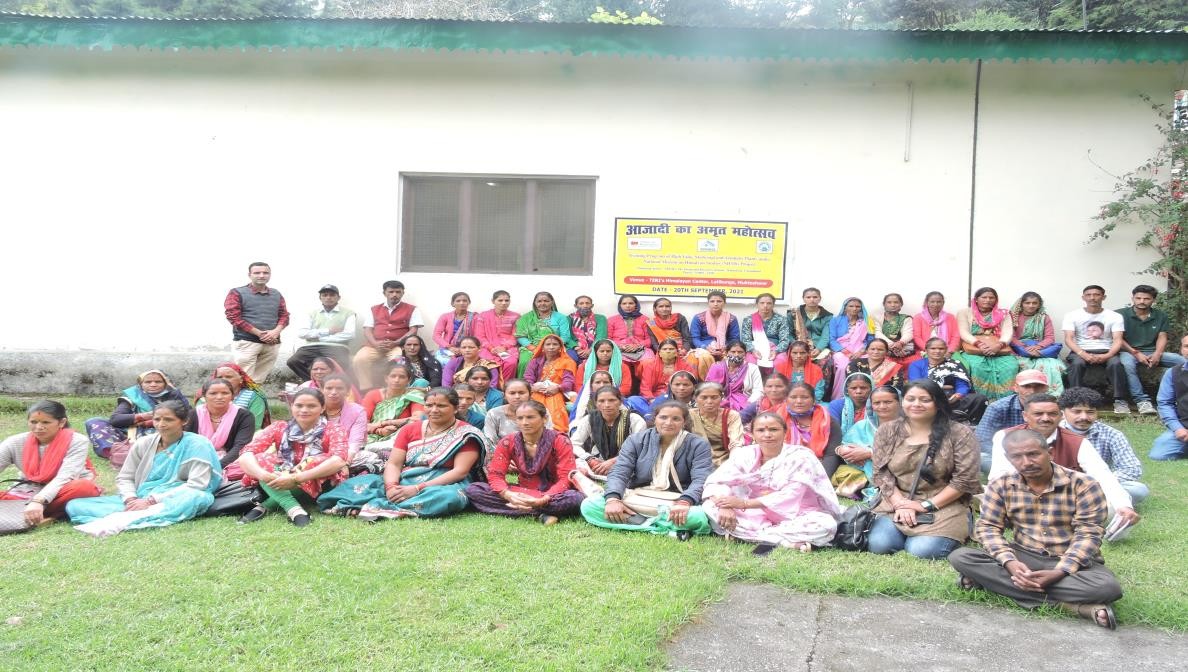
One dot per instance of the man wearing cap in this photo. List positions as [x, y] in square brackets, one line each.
[1008, 411]
[1173, 411]
[383, 327]
[329, 334]
[257, 315]
[1041, 413]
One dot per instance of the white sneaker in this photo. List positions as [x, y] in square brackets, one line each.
[1121, 407]
[1147, 408]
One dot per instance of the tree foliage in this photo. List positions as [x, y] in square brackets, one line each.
[903, 14]
[1152, 202]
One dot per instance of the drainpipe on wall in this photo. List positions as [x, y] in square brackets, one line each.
[973, 176]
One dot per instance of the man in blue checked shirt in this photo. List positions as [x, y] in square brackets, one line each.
[1079, 406]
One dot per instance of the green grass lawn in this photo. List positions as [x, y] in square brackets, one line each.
[466, 593]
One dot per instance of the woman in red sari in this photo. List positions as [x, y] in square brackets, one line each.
[810, 426]
[542, 461]
[53, 461]
[799, 368]
[552, 375]
[884, 371]
[629, 331]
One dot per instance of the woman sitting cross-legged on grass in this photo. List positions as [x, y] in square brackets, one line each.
[655, 485]
[599, 436]
[169, 476]
[430, 464]
[228, 427]
[772, 493]
[295, 458]
[541, 460]
[53, 461]
[926, 468]
[133, 412]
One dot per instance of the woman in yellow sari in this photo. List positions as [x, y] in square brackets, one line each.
[551, 374]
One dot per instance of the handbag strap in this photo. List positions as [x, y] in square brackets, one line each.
[919, 472]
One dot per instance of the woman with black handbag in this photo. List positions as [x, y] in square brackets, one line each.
[926, 468]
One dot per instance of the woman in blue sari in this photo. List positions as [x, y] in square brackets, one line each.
[431, 463]
[169, 476]
[133, 412]
[854, 478]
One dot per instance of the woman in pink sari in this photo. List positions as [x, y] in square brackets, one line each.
[452, 327]
[934, 322]
[629, 331]
[772, 493]
[850, 331]
[496, 330]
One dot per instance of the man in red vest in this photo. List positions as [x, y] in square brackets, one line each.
[383, 327]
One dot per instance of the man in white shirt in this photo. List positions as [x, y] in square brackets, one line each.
[329, 333]
[1093, 336]
[1041, 413]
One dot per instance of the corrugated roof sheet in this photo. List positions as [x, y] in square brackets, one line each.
[24, 30]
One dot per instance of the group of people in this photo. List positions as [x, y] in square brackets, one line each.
[751, 429]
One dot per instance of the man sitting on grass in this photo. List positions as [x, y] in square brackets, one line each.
[1008, 411]
[1079, 406]
[1055, 557]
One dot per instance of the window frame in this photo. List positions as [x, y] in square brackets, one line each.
[466, 184]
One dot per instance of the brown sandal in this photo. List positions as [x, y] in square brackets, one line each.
[1101, 615]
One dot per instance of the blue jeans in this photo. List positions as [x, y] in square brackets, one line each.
[885, 538]
[1130, 365]
[1167, 447]
[1138, 491]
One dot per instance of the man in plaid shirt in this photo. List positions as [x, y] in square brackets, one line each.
[1079, 406]
[1055, 556]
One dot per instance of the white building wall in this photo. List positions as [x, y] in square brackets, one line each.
[138, 185]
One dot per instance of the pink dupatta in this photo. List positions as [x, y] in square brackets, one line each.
[217, 437]
[717, 327]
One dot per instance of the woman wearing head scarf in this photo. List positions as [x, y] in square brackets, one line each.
[248, 393]
[1034, 341]
[986, 332]
[849, 333]
[133, 412]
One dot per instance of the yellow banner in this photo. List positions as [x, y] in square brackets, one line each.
[688, 257]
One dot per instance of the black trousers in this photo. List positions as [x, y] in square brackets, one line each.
[301, 360]
[1114, 371]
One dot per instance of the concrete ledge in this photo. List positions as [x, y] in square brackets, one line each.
[61, 373]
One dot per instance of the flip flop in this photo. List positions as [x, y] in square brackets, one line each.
[1090, 612]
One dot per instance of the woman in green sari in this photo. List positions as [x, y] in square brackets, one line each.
[537, 323]
[431, 463]
[1034, 340]
[986, 331]
[854, 479]
[394, 405]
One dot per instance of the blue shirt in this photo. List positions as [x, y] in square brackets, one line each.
[1166, 400]
[919, 369]
[1006, 412]
[703, 338]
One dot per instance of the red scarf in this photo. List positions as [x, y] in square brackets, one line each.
[43, 468]
[818, 431]
[664, 329]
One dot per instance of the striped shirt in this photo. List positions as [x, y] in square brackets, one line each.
[1065, 520]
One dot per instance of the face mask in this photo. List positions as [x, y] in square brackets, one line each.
[585, 312]
[734, 359]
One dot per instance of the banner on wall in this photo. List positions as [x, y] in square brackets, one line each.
[689, 257]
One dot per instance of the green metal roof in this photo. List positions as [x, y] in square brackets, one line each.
[18, 30]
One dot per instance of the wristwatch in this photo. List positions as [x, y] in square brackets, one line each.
[928, 505]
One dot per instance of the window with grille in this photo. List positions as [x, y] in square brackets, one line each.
[497, 224]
